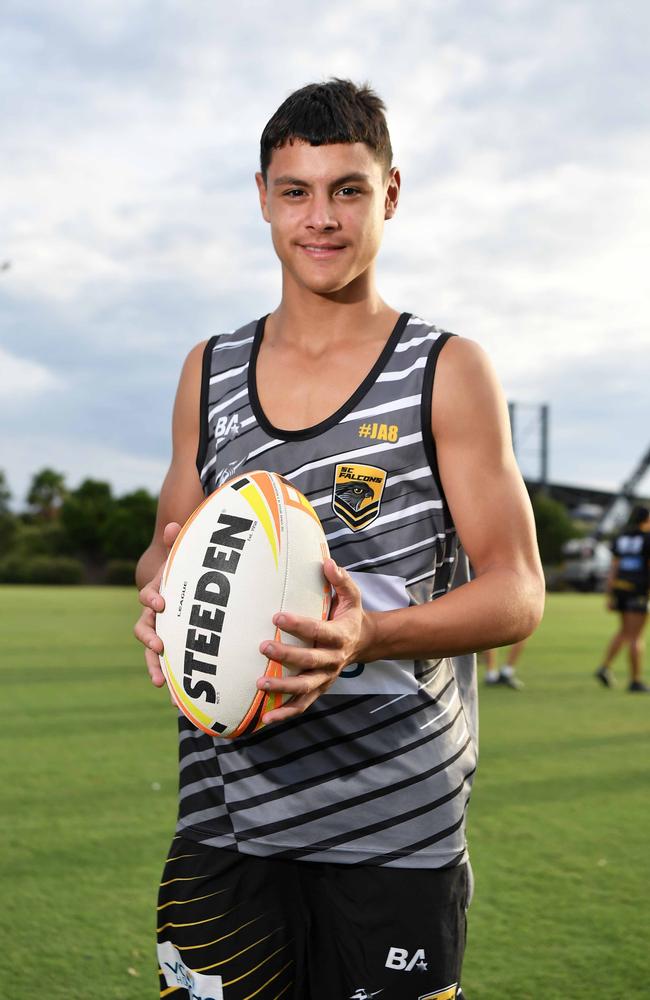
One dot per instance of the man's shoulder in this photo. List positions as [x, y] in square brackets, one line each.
[419, 325]
[464, 347]
[464, 358]
[227, 348]
[234, 337]
[224, 348]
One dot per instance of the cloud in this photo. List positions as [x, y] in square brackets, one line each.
[550, 260]
[78, 457]
[23, 379]
[129, 142]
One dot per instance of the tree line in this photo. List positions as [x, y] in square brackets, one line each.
[82, 535]
[88, 535]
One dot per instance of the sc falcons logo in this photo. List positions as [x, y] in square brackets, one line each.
[362, 994]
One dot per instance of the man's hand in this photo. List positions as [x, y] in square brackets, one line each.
[331, 646]
[152, 602]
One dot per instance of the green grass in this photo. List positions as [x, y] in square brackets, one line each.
[558, 823]
[88, 796]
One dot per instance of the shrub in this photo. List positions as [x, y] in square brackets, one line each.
[8, 531]
[128, 528]
[38, 540]
[554, 527]
[121, 572]
[15, 568]
[54, 569]
[84, 513]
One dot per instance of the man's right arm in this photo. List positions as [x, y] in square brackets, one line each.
[180, 494]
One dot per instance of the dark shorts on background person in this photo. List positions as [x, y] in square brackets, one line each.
[238, 927]
[629, 601]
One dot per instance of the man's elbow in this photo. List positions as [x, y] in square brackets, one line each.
[531, 603]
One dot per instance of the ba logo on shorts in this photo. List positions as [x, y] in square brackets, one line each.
[357, 494]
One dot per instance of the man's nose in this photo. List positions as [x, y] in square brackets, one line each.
[322, 214]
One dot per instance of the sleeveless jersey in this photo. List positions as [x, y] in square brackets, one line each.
[632, 549]
[378, 770]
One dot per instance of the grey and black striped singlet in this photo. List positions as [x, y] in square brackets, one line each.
[378, 771]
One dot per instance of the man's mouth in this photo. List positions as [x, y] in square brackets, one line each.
[322, 251]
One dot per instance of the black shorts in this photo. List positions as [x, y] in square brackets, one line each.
[237, 927]
[627, 600]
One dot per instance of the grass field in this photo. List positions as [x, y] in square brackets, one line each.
[558, 823]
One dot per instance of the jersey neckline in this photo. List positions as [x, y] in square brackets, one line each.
[334, 418]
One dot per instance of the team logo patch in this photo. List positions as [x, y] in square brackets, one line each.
[357, 494]
[449, 993]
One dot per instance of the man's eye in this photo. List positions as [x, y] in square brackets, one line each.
[293, 193]
[349, 191]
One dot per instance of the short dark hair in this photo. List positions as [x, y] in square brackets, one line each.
[324, 113]
[638, 515]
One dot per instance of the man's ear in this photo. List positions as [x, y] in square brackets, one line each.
[261, 187]
[393, 186]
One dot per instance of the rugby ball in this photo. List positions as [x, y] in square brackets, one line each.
[254, 547]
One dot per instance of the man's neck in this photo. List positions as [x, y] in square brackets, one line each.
[315, 322]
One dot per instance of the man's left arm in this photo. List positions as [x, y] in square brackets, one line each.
[492, 513]
[489, 505]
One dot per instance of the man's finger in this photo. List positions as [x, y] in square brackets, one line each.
[170, 533]
[341, 580]
[296, 685]
[149, 639]
[310, 630]
[153, 666]
[150, 597]
[294, 707]
[145, 632]
[297, 657]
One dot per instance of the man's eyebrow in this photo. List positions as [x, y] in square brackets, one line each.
[297, 182]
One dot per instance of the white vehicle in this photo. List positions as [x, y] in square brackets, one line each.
[586, 563]
[587, 560]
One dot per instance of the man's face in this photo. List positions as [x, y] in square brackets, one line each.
[327, 206]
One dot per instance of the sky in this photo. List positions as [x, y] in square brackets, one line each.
[129, 134]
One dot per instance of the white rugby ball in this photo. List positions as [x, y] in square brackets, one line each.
[254, 547]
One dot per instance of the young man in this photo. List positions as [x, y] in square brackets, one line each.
[628, 588]
[324, 856]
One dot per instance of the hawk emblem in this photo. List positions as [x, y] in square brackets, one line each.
[357, 493]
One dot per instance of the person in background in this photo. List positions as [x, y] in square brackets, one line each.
[505, 675]
[628, 588]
